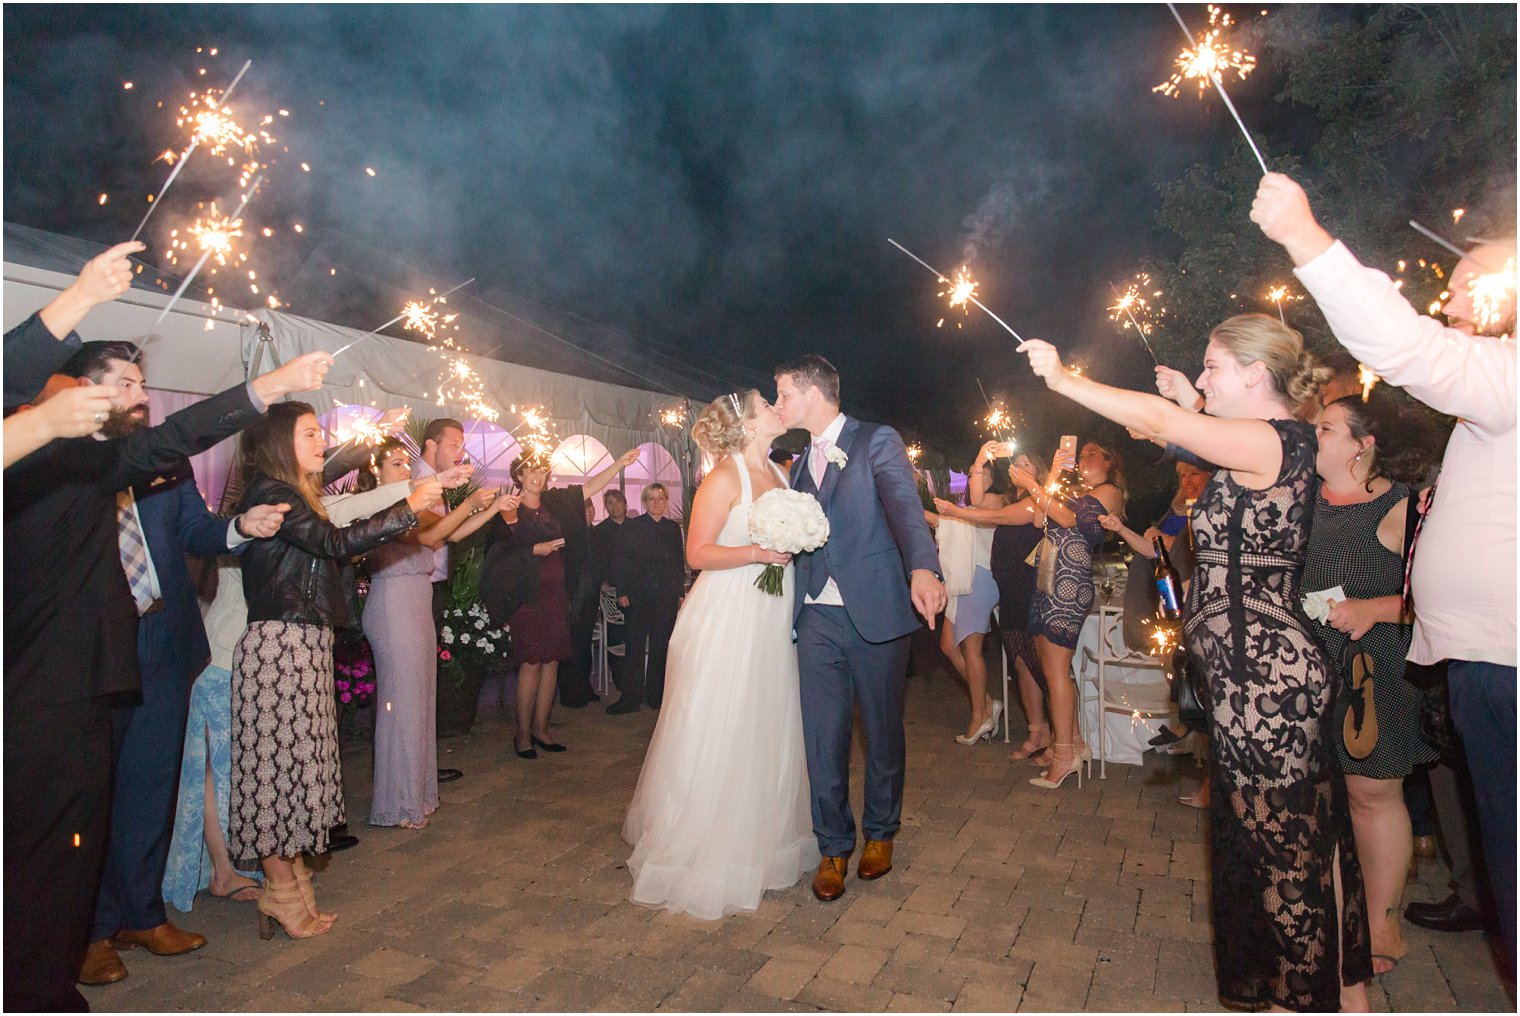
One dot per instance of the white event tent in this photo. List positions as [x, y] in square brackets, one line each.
[199, 350]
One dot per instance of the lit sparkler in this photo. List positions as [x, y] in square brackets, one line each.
[956, 290]
[1493, 297]
[214, 107]
[960, 293]
[404, 314]
[1164, 640]
[1367, 379]
[215, 239]
[1279, 293]
[673, 416]
[1205, 59]
[915, 452]
[1136, 309]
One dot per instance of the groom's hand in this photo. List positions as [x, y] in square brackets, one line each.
[928, 594]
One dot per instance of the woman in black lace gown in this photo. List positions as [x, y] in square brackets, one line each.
[1280, 822]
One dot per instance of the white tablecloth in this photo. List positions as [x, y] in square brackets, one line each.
[1135, 687]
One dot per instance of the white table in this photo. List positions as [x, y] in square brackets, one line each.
[1135, 688]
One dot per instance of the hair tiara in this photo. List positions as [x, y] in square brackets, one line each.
[733, 400]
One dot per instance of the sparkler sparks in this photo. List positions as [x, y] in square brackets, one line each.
[961, 293]
[1279, 293]
[673, 416]
[1493, 297]
[1367, 379]
[1134, 306]
[1164, 640]
[1208, 58]
[915, 452]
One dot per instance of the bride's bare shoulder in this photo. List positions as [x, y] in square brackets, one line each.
[721, 484]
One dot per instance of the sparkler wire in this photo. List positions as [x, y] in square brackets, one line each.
[1461, 254]
[186, 157]
[1219, 87]
[941, 276]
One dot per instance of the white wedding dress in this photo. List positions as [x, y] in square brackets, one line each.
[722, 813]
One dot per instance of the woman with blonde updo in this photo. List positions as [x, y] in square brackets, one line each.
[1281, 824]
[722, 812]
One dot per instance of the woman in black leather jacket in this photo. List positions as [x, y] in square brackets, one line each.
[286, 783]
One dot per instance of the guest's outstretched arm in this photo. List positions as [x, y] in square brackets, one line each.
[1249, 448]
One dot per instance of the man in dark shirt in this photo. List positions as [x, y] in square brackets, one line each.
[650, 575]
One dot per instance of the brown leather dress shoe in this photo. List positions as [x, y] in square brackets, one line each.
[101, 965]
[828, 883]
[164, 940]
[875, 859]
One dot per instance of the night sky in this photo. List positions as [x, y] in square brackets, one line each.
[717, 182]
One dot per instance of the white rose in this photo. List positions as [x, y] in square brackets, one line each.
[836, 455]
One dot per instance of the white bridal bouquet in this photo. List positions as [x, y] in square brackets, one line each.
[788, 522]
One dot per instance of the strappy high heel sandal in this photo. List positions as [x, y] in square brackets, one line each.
[1063, 762]
[308, 894]
[283, 905]
[1029, 749]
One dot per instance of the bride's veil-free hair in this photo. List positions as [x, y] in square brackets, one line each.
[719, 429]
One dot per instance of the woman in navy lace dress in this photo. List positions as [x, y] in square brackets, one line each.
[1070, 518]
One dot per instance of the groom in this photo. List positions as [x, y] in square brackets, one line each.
[854, 614]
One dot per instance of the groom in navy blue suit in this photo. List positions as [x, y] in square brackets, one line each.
[854, 614]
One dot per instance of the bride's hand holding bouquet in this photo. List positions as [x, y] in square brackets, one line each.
[782, 523]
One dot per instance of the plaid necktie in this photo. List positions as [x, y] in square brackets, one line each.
[134, 552]
[1414, 538]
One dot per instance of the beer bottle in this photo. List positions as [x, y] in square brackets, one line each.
[1168, 583]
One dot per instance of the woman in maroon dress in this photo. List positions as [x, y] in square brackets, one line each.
[551, 523]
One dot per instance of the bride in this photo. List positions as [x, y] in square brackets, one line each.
[721, 812]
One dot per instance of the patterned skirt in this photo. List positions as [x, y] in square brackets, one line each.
[287, 787]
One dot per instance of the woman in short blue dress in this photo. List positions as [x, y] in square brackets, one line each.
[1070, 517]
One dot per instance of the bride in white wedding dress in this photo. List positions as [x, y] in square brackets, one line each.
[722, 813]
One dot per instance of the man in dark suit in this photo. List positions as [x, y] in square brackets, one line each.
[854, 614]
[606, 538]
[70, 646]
[147, 733]
[650, 575]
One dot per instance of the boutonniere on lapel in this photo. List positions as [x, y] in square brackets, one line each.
[836, 455]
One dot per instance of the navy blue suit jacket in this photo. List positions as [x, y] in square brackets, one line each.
[177, 522]
[877, 532]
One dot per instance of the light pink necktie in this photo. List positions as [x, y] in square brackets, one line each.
[818, 461]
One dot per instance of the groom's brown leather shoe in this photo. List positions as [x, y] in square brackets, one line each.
[875, 859]
[828, 883]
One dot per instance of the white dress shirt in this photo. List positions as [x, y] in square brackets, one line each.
[829, 596]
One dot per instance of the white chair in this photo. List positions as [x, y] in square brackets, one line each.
[1136, 699]
[607, 613]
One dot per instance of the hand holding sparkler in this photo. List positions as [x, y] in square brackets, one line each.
[426, 496]
[990, 450]
[103, 278]
[949, 509]
[392, 420]
[303, 374]
[507, 504]
[1174, 385]
[1045, 362]
[455, 476]
[1281, 209]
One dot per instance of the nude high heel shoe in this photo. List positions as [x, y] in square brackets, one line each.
[281, 904]
[1063, 762]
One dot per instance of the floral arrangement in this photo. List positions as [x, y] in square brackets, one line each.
[354, 682]
[787, 522]
[467, 635]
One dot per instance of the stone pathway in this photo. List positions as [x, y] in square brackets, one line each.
[1004, 897]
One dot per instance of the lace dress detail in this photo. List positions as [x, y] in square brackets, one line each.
[1279, 809]
[1059, 617]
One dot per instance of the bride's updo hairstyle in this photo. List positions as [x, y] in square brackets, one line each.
[719, 429]
[1296, 373]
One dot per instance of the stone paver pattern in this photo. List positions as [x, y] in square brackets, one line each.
[1003, 898]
